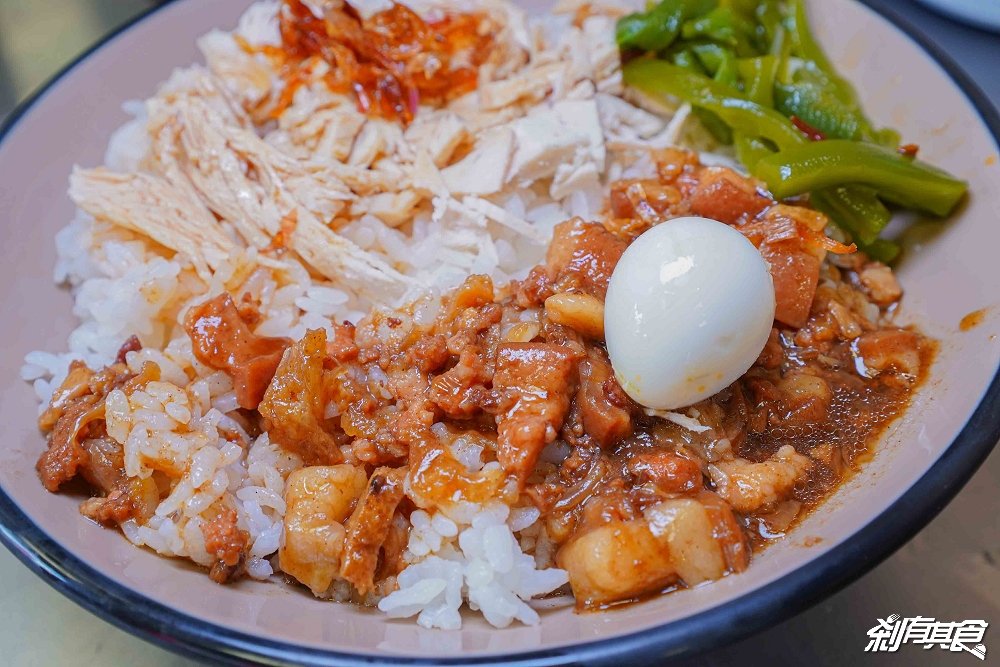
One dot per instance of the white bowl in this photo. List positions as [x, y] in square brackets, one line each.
[949, 270]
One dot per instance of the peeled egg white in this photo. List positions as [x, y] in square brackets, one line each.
[688, 311]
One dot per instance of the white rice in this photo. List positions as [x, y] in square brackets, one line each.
[480, 561]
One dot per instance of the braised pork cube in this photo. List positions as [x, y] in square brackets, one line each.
[319, 499]
[534, 383]
[223, 341]
[294, 405]
[584, 251]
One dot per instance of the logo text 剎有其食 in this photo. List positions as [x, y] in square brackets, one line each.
[892, 632]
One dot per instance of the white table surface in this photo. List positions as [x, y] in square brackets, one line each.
[950, 571]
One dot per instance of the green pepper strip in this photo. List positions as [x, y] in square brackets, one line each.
[758, 82]
[758, 76]
[723, 26]
[657, 28]
[728, 72]
[750, 150]
[689, 60]
[752, 121]
[881, 250]
[824, 164]
[858, 211]
[769, 27]
[809, 49]
[717, 25]
[728, 75]
[820, 109]
[747, 7]
[710, 56]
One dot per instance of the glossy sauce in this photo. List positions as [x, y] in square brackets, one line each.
[222, 340]
[393, 61]
[972, 320]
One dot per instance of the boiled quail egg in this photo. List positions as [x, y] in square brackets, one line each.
[688, 311]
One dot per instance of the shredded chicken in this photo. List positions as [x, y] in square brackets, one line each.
[149, 205]
[439, 133]
[200, 152]
[484, 170]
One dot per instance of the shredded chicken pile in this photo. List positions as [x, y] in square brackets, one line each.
[489, 104]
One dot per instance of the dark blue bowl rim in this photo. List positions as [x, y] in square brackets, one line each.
[733, 620]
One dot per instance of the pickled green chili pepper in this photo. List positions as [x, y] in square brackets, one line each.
[887, 137]
[857, 211]
[820, 71]
[758, 78]
[820, 109]
[754, 119]
[719, 130]
[824, 164]
[710, 56]
[881, 250]
[810, 50]
[727, 72]
[656, 29]
[721, 25]
[687, 59]
[750, 150]
[769, 26]
[656, 76]
[748, 67]
[717, 25]
[809, 94]
[745, 7]
[758, 85]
